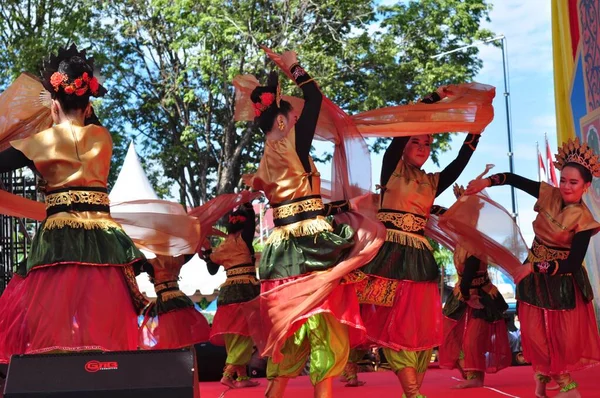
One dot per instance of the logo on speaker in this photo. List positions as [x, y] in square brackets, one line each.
[94, 366]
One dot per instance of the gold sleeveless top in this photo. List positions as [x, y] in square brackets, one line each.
[166, 276]
[555, 225]
[66, 156]
[290, 189]
[406, 204]
[231, 252]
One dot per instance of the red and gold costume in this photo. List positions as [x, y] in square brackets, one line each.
[230, 326]
[172, 321]
[79, 249]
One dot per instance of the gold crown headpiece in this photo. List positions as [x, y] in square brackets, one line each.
[574, 151]
[458, 190]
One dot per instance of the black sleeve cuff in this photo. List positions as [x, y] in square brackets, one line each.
[299, 74]
[431, 98]
[497, 179]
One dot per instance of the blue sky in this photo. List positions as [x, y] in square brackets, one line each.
[527, 27]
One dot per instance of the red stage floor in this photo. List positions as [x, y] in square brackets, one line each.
[515, 382]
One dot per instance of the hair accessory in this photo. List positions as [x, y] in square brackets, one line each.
[54, 80]
[573, 151]
[266, 100]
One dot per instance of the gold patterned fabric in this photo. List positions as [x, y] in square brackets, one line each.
[297, 208]
[281, 175]
[240, 271]
[406, 222]
[540, 252]
[77, 196]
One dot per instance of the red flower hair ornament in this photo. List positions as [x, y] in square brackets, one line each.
[78, 86]
[266, 100]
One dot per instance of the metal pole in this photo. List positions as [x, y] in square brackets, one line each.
[508, 127]
[537, 145]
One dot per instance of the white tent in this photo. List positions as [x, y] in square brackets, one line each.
[132, 184]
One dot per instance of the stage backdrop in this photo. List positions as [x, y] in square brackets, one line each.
[576, 47]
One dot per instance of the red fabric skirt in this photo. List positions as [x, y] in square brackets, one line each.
[178, 328]
[484, 344]
[67, 308]
[342, 303]
[229, 319]
[557, 342]
[413, 323]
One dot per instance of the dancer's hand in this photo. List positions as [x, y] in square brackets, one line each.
[521, 273]
[478, 185]
[289, 58]
[474, 302]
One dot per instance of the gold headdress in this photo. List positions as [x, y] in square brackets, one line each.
[574, 151]
[458, 190]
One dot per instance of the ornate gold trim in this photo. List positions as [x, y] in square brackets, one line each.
[408, 239]
[301, 228]
[540, 252]
[240, 271]
[573, 151]
[62, 222]
[69, 197]
[293, 209]
[404, 221]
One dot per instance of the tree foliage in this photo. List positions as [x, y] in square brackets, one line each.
[169, 66]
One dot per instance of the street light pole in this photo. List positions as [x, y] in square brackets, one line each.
[510, 154]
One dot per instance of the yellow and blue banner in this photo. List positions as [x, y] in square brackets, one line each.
[576, 52]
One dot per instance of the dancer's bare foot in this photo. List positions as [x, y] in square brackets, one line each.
[473, 383]
[343, 378]
[246, 383]
[540, 389]
[227, 381]
[354, 382]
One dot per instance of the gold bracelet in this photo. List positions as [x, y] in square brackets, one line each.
[304, 82]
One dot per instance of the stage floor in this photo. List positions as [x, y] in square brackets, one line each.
[515, 382]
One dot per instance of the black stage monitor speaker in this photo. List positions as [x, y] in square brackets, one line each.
[119, 374]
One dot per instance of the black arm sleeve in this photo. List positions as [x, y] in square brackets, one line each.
[212, 267]
[515, 180]
[471, 267]
[307, 122]
[451, 173]
[249, 227]
[13, 159]
[573, 262]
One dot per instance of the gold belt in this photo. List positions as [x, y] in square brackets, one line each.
[406, 222]
[250, 270]
[299, 207]
[68, 198]
[166, 286]
[540, 252]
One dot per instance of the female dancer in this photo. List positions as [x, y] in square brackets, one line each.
[79, 248]
[474, 321]
[229, 326]
[302, 242]
[178, 324]
[558, 326]
[402, 305]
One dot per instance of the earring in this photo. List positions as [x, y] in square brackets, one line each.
[280, 123]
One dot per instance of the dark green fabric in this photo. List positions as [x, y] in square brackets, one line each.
[494, 308]
[238, 293]
[554, 292]
[403, 262]
[78, 245]
[300, 255]
[162, 307]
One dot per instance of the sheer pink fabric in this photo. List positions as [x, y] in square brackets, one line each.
[22, 111]
[159, 226]
[486, 230]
